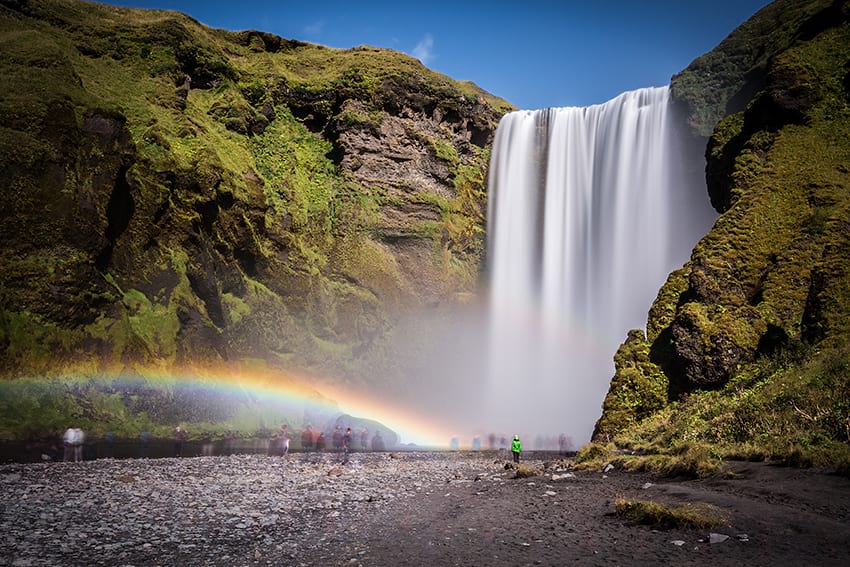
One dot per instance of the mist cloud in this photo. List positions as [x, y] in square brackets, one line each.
[314, 29]
[424, 50]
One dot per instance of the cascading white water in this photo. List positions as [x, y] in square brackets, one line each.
[589, 210]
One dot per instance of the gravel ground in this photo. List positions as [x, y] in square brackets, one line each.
[401, 509]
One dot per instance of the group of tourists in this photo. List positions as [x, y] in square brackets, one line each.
[342, 441]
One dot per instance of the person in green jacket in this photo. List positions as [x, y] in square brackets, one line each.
[516, 448]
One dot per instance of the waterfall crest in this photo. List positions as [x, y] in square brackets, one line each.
[589, 210]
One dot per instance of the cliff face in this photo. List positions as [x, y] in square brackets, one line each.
[742, 343]
[174, 194]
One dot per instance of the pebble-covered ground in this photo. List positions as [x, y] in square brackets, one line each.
[236, 510]
[400, 509]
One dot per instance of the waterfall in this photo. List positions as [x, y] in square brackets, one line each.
[589, 210]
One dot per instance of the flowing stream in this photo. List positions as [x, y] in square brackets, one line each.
[589, 210]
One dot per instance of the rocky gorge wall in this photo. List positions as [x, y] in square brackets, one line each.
[745, 343]
[174, 194]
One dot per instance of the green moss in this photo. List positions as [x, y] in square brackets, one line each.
[350, 117]
[373, 267]
[445, 151]
[663, 309]
[638, 389]
[300, 183]
[236, 307]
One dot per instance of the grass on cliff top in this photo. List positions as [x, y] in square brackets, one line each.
[712, 80]
[145, 36]
[359, 70]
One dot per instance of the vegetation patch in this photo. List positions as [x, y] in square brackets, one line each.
[784, 409]
[525, 471]
[595, 456]
[683, 516]
[729, 74]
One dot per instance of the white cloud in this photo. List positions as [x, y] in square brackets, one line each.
[314, 29]
[424, 50]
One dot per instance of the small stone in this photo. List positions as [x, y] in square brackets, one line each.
[717, 538]
[678, 542]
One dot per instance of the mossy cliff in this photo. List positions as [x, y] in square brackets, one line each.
[173, 193]
[746, 346]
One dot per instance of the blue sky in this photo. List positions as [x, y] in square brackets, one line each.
[534, 53]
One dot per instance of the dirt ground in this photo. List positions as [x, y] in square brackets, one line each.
[405, 509]
[775, 516]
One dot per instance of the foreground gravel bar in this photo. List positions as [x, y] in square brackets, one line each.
[236, 510]
[407, 509]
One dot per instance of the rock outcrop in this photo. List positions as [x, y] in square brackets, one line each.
[177, 194]
[771, 277]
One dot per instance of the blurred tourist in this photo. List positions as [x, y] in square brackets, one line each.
[73, 444]
[109, 444]
[67, 444]
[283, 440]
[144, 444]
[378, 442]
[337, 439]
[307, 441]
[307, 438]
[346, 444]
[179, 440]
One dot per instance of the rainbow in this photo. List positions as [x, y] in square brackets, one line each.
[298, 391]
